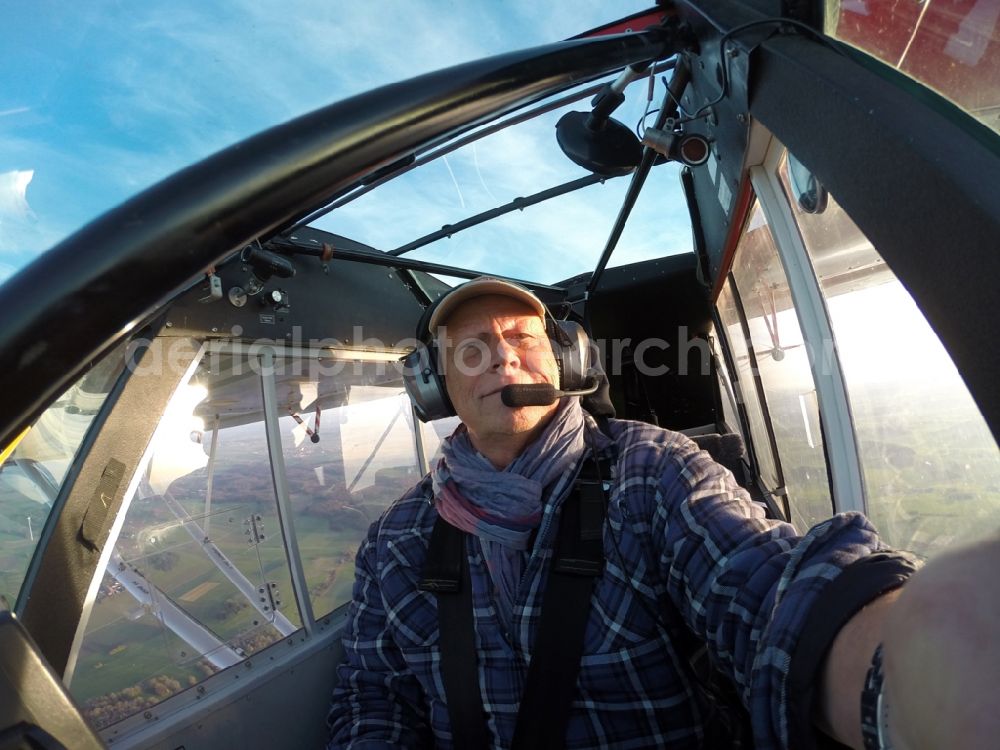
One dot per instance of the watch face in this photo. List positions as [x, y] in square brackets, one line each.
[809, 193]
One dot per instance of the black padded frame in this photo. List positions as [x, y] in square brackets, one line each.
[64, 567]
[916, 174]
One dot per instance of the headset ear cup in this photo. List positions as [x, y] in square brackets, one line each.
[570, 345]
[421, 376]
[425, 385]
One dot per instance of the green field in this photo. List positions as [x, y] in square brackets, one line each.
[16, 544]
[932, 476]
[129, 660]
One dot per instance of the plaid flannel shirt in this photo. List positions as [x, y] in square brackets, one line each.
[742, 583]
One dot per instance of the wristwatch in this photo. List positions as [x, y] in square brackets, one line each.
[874, 708]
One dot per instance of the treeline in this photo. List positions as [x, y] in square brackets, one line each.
[113, 707]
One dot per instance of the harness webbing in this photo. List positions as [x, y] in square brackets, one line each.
[555, 663]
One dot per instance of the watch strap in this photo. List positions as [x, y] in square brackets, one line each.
[874, 707]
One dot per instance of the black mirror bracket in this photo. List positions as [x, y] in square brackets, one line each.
[595, 140]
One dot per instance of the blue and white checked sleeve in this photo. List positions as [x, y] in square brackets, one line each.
[744, 583]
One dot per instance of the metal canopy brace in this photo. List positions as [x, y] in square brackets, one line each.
[384, 259]
[210, 472]
[407, 165]
[518, 204]
[295, 567]
[846, 476]
[682, 74]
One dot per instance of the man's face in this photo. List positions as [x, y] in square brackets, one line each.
[490, 342]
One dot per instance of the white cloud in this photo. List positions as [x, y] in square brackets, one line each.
[13, 194]
[22, 235]
[29, 226]
[17, 220]
[77, 182]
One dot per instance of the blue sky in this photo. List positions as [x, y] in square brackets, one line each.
[104, 98]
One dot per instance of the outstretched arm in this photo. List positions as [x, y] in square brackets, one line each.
[750, 587]
[941, 652]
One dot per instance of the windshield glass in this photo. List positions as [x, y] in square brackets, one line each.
[34, 470]
[547, 242]
[953, 47]
[102, 100]
[931, 466]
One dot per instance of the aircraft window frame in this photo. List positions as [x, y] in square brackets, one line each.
[315, 632]
[767, 461]
[843, 462]
[109, 549]
[757, 253]
[24, 455]
[886, 426]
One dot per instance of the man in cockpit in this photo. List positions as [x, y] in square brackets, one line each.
[816, 632]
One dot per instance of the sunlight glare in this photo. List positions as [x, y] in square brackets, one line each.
[175, 453]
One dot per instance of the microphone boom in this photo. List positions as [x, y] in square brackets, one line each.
[542, 394]
[531, 394]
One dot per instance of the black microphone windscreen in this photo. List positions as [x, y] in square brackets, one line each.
[532, 394]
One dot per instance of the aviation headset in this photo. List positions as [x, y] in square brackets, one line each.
[422, 368]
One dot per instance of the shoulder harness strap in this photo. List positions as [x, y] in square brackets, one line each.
[555, 666]
[446, 574]
[555, 662]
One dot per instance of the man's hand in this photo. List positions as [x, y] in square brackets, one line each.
[941, 648]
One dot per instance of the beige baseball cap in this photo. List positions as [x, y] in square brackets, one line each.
[480, 287]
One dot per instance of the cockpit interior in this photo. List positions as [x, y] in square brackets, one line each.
[777, 222]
